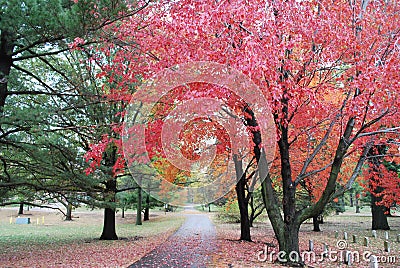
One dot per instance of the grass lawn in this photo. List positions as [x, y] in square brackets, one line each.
[49, 241]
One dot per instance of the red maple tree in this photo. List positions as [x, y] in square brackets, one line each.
[328, 70]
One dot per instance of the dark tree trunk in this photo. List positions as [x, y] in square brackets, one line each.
[146, 215]
[139, 207]
[21, 209]
[316, 222]
[379, 218]
[123, 212]
[68, 215]
[109, 233]
[243, 201]
[7, 44]
[252, 210]
[357, 205]
[351, 200]
[286, 228]
[109, 225]
[291, 244]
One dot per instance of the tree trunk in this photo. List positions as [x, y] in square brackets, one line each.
[289, 244]
[357, 205]
[379, 218]
[68, 215]
[109, 225]
[139, 207]
[315, 221]
[243, 201]
[21, 209]
[7, 44]
[351, 200]
[146, 215]
[109, 233]
[123, 212]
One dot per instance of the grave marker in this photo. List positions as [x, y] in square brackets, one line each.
[373, 261]
[325, 252]
[23, 220]
[311, 245]
[347, 257]
[386, 245]
[354, 238]
[373, 233]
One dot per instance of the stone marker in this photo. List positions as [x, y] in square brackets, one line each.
[345, 235]
[311, 245]
[386, 245]
[354, 238]
[366, 241]
[348, 257]
[23, 220]
[373, 261]
[325, 251]
[373, 233]
[386, 235]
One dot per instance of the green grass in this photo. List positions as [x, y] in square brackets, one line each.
[16, 235]
[13, 235]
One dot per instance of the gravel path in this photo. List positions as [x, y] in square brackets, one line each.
[191, 246]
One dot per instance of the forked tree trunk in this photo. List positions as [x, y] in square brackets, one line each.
[286, 227]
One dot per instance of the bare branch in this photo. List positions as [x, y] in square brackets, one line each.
[308, 161]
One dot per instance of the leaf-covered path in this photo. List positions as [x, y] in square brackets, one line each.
[191, 246]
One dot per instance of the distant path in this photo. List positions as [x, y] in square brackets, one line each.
[191, 246]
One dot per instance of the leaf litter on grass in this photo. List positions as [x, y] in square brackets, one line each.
[234, 253]
[76, 243]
